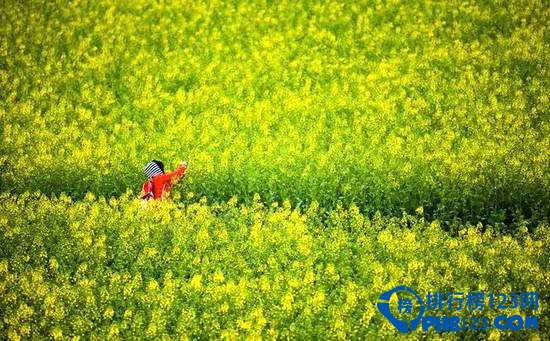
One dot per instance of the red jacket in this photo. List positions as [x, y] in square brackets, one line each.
[159, 186]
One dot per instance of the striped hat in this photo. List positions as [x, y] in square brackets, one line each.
[153, 168]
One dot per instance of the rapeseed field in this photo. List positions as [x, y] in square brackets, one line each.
[336, 150]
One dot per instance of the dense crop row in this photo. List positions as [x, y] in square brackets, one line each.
[72, 268]
[390, 105]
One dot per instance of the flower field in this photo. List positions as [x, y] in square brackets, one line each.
[109, 268]
[336, 150]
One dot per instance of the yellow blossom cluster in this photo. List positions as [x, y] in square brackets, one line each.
[390, 105]
[211, 273]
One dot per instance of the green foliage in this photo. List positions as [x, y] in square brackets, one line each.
[388, 105]
[313, 130]
[227, 270]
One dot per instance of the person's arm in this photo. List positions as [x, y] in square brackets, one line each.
[146, 190]
[179, 172]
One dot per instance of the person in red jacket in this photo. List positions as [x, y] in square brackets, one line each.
[159, 183]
